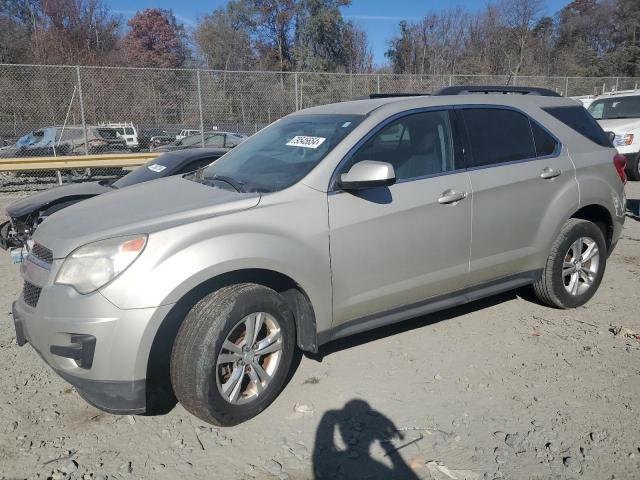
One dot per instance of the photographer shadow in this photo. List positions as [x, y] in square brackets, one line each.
[359, 428]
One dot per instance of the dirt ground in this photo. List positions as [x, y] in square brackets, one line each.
[500, 388]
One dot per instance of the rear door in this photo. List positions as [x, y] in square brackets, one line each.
[392, 247]
[523, 182]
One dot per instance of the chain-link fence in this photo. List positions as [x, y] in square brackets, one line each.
[71, 110]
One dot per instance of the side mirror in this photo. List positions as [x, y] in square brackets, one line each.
[611, 136]
[367, 174]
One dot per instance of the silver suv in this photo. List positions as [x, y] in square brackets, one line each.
[331, 221]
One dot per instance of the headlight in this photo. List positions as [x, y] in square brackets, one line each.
[622, 140]
[94, 265]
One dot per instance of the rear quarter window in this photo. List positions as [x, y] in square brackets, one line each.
[581, 121]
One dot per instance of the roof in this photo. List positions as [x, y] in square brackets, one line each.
[366, 106]
[626, 93]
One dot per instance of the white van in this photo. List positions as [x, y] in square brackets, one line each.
[128, 132]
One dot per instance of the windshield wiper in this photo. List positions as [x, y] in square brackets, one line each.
[237, 186]
[621, 117]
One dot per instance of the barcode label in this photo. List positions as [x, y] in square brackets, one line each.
[307, 142]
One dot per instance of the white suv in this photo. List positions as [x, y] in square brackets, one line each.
[620, 113]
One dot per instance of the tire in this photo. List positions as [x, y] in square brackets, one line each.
[199, 380]
[553, 286]
[633, 168]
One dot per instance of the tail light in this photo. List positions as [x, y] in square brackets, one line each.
[620, 162]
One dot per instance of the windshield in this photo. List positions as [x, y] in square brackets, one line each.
[620, 107]
[156, 168]
[282, 154]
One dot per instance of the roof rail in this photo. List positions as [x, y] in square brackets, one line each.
[486, 89]
[391, 95]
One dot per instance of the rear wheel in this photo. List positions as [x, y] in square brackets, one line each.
[233, 353]
[575, 266]
[633, 168]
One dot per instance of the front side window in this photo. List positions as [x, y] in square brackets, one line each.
[620, 107]
[281, 154]
[417, 145]
[498, 136]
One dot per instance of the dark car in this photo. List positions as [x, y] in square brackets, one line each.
[147, 134]
[213, 139]
[26, 214]
[161, 140]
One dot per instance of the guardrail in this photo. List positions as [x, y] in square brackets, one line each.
[21, 164]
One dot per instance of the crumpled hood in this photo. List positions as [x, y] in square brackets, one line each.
[620, 126]
[142, 208]
[34, 202]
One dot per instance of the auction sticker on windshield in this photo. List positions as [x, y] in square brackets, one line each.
[156, 168]
[304, 141]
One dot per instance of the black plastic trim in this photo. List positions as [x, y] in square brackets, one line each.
[81, 350]
[21, 338]
[500, 89]
[430, 305]
[117, 397]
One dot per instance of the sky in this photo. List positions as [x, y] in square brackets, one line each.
[379, 18]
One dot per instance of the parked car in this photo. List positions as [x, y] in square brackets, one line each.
[145, 135]
[211, 139]
[187, 132]
[67, 140]
[26, 214]
[127, 131]
[159, 141]
[333, 220]
[620, 113]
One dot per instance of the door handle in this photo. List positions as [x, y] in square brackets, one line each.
[451, 196]
[549, 173]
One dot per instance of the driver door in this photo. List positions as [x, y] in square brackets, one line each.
[392, 247]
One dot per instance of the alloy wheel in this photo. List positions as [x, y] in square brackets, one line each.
[580, 266]
[249, 358]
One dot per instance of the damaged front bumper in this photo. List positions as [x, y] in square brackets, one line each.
[9, 237]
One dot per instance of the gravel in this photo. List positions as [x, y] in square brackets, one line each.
[501, 388]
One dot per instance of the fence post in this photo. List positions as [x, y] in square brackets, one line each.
[450, 80]
[84, 123]
[566, 86]
[378, 81]
[617, 81]
[200, 108]
[295, 81]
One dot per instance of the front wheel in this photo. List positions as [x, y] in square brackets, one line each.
[232, 354]
[575, 266]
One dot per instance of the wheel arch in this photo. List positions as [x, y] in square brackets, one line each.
[601, 216]
[158, 361]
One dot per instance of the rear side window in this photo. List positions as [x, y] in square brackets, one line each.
[545, 143]
[580, 120]
[498, 136]
[128, 131]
